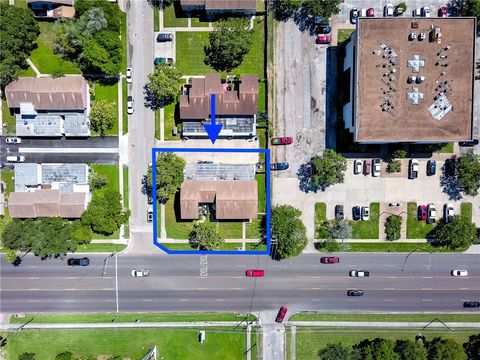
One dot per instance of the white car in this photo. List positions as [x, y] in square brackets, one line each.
[359, 273]
[365, 213]
[128, 75]
[16, 158]
[459, 273]
[129, 104]
[140, 272]
[425, 11]
[13, 140]
[150, 214]
[388, 10]
[357, 167]
[431, 213]
[376, 168]
[449, 212]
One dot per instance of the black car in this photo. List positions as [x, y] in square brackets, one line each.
[324, 29]
[279, 166]
[356, 213]
[78, 262]
[468, 143]
[353, 16]
[165, 36]
[471, 304]
[355, 292]
[339, 212]
[431, 167]
[450, 166]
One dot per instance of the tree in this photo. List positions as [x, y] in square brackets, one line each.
[11, 256]
[103, 115]
[67, 355]
[410, 350]
[393, 225]
[335, 351]
[97, 181]
[465, 8]
[285, 8]
[27, 356]
[169, 175]
[164, 86]
[288, 230]
[18, 34]
[111, 12]
[323, 8]
[376, 349]
[340, 229]
[468, 173]
[394, 166]
[440, 349]
[458, 233]
[399, 153]
[205, 236]
[104, 213]
[229, 42]
[472, 347]
[328, 169]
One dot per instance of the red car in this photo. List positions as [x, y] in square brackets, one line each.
[366, 167]
[371, 12]
[281, 314]
[254, 273]
[422, 212]
[286, 140]
[324, 39]
[329, 260]
[442, 12]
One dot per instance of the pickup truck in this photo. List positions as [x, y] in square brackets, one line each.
[359, 273]
[413, 168]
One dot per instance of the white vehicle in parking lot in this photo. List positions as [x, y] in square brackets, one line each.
[13, 140]
[15, 158]
[459, 273]
[129, 105]
[388, 10]
[449, 212]
[357, 167]
[376, 168]
[365, 213]
[431, 213]
[359, 273]
[128, 75]
[140, 272]
[425, 11]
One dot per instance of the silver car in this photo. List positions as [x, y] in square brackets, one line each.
[140, 272]
[13, 140]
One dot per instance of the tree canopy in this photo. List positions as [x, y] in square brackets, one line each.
[376, 349]
[288, 230]
[440, 349]
[169, 175]
[458, 233]
[104, 213]
[328, 169]
[410, 350]
[472, 347]
[393, 226]
[205, 236]
[466, 8]
[323, 8]
[336, 351]
[468, 173]
[339, 229]
[229, 42]
[103, 116]
[164, 85]
[18, 34]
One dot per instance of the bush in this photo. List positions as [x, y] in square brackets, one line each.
[58, 73]
[97, 181]
[393, 226]
[394, 166]
[328, 245]
[399, 153]
[27, 356]
[402, 6]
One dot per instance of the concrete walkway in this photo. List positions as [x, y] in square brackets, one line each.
[188, 29]
[120, 133]
[384, 324]
[34, 68]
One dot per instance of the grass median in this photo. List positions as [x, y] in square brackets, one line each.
[386, 317]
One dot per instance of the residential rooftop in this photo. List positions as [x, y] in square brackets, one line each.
[414, 79]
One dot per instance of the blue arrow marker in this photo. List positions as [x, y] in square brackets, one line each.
[213, 129]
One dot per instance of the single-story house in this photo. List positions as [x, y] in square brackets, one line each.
[212, 7]
[52, 9]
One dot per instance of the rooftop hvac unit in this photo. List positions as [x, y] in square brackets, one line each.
[413, 36]
[422, 36]
[420, 79]
[412, 79]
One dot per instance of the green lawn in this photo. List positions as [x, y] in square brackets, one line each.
[262, 137]
[46, 61]
[344, 34]
[320, 217]
[397, 247]
[254, 229]
[262, 96]
[255, 246]
[123, 34]
[124, 111]
[106, 248]
[7, 178]
[8, 119]
[125, 186]
[111, 171]
[386, 317]
[310, 340]
[109, 93]
[416, 229]
[173, 246]
[21, 3]
[156, 117]
[175, 227]
[224, 343]
[367, 229]
[169, 121]
[173, 16]
[198, 20]
[466, 210]
[262, 201]
[156, 18]
[28, 72]
[230, 229]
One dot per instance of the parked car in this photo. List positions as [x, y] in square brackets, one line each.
[357, 167]
[417, 12]
[471, 304]
[431, 167]
[355, 293]
[317, 19]
[323, 39]
[362, 13]
[376, 166]
[324, 29]
[150, 214]
[128, 75]
[413, 168]
[254, 273]
[339, 212]
[13, 140]
[449, 212]
[165, 36]
[286, 140]
[78, 262]
[281, 314]
[279, 166]
[359, 273]
[149, 199]
[140, 272]
[426, 11]
[353, 15]
[388, 10]
[15, 158]
[468, 143]
[366, 167]
[129, 104]
[160, 60]
[442, 12]
[460, 273]
[356, 213]
[365, 213]
[451, 166]
[431, 213]
[329, 260]
[422, 212]
[371, 12]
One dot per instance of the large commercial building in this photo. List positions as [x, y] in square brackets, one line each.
[411, 80]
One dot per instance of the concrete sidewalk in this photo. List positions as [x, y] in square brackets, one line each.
[383, 324]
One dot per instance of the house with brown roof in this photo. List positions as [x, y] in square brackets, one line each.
[236, 104]
[212, 7]
[228, 199]
[52, 9]
[50, 107]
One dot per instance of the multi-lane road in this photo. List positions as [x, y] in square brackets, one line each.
[217, 283]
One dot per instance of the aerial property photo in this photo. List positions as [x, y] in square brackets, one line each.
[251, 179]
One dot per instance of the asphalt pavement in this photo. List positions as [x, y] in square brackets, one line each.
[303, 283]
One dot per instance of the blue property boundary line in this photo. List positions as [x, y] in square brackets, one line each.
[214, 150]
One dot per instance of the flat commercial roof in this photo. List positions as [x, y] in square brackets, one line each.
[438, 104]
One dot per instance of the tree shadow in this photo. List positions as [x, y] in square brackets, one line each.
[304, 174]
[450, 185]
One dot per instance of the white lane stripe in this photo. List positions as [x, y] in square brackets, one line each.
[69, 150]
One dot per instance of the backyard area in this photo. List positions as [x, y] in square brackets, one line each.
[367, 229]
[109, 93]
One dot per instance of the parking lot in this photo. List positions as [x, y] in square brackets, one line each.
[164, 49]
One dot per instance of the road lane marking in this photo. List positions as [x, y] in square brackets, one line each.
[183, 300]
[33, 278]
[426, 289]
[391, 300]
[104, 289]
[389, 289]
[147, 299]
[220, 300]
[32, 266]
[427, 300]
